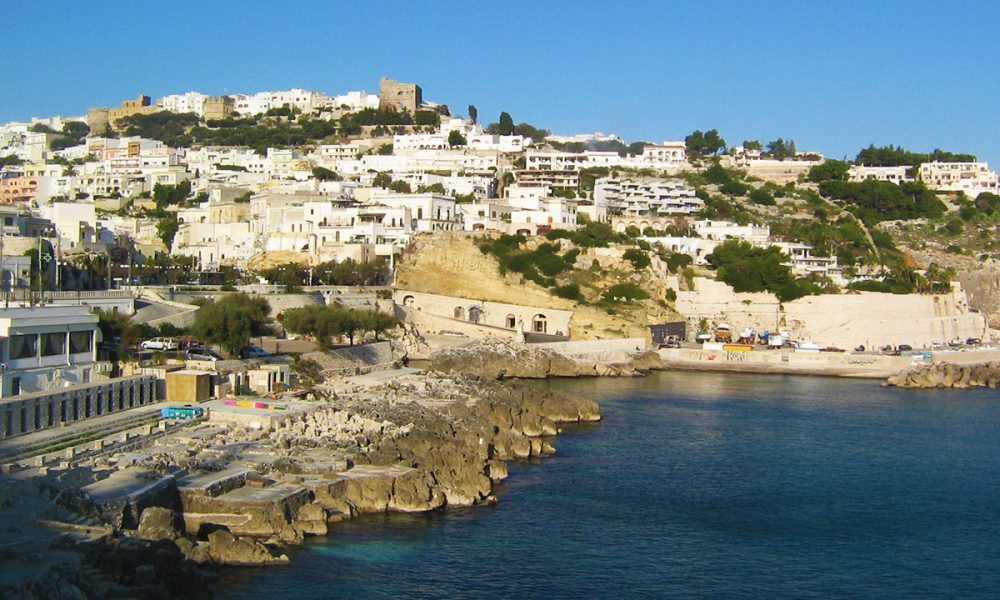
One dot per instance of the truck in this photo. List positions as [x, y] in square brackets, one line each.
[723, 333]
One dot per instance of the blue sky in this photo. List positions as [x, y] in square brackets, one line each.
[833, 76]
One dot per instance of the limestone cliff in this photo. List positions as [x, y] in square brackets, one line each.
[453, 265]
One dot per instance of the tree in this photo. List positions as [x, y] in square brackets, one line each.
[455, 138]
[473, 113]
[377, 322]
[752, 145]
[324, 174]
[166, 229]
[232, 320]
[707, 143]
[780, 149]
[747, 268]
[400, 186]
[637, 148]
[117, 326]
[506, 124]
[382, 180]
[829, 170]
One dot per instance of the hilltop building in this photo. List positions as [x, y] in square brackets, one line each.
[399, 96]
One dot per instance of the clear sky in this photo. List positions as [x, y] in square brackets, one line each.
[834, 76]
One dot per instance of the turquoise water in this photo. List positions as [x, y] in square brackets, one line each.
[698, 484]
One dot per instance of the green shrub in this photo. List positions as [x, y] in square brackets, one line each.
[626, 292]
[671, 294]
[761, 197]
[570, 291]
[638, 258]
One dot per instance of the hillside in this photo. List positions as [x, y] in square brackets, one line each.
[454, 265]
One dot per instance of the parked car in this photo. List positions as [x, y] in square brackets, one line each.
[904, 348]
[956, 343]
[973, 341]
[160, 343]
[702, 337]
[671, 342]
[254, 351]
[202, 354]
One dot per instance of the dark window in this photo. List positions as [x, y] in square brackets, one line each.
[15, 386]
[23, 346]
[53, 344]
[52, 413]
[81, 341]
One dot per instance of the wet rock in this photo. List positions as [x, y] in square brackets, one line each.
[226, 549]
[157, 523]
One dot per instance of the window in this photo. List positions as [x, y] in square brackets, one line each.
[81, 341]
[511, 322]
[15, 386]
[53, 344]
[23, 346]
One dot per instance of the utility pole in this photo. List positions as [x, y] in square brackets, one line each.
[58, 265]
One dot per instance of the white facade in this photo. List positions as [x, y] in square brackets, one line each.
[890, 174]
[47, 347]
[191, 102]
[973, 178]
[646, 197]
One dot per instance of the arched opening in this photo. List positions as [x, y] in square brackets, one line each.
[474, 314]
[478, 227]
[459, 313]
[408, 301]
[539, 324]
[511, 322]
[524, 232]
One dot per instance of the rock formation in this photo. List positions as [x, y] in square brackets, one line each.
[948, 375]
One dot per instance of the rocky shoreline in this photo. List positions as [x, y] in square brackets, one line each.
[236, 496]
[948, 375]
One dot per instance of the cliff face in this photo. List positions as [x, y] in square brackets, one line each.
[983, 288]
[452, 265]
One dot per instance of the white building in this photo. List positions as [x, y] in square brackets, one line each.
[644, 198]
[973, 178]
[47, 347]
[891, 174]
[191, 102]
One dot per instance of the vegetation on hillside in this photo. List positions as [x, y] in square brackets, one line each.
[324, 323]
[747, 268]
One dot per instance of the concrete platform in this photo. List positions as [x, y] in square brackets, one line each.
[255, 418]
[213, 484]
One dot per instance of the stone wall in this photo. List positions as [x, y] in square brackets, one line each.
[426, 322]
[494, 315]
[843, 320]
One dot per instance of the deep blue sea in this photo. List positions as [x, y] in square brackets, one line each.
[703, 485]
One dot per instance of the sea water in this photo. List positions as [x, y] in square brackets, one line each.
[703, 485]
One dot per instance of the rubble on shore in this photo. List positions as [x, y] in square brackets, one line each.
[948, 375]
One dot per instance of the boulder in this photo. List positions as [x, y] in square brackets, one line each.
[157, 523]
[225, 548]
